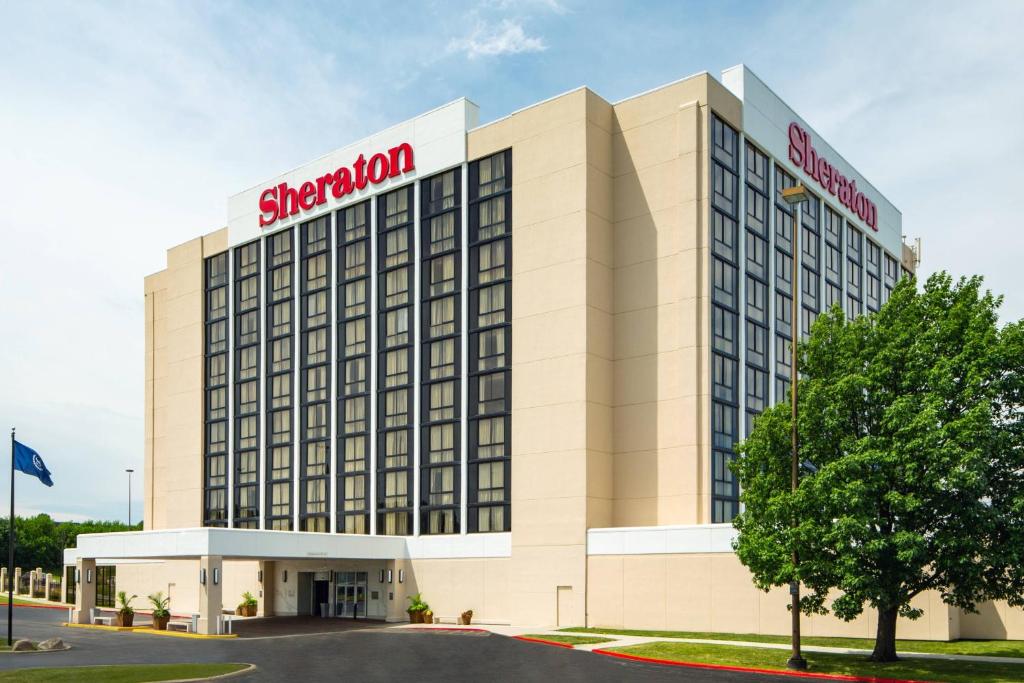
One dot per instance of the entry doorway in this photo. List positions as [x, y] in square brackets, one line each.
[350, 594]
[314, 598]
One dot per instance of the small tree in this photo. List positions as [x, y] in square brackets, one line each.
[911, 421]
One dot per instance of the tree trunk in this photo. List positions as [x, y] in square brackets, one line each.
[885, 638]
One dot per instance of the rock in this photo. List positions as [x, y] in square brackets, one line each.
[22, 645]
[52, 644]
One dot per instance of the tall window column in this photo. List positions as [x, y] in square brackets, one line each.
[833, 258]
[490, 343]
[785, 221]
[247, 385]
[854, 272]
[215, 451]
[280, 397]
[724, 318]
[440, 458]
[353, 369]
[395, 362]
[810, 264]
[315, 392]
[758, 272]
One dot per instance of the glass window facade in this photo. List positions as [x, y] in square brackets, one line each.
[216, 388]
[280, 374]
[753, 282]
[490, 344]
[353, 393]
[440, 328]
[725, 313]
[247, 386]
[396, 258]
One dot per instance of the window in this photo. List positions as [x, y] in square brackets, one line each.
[281, 355]
[281, 319]
[442, 401]
[442, 275]
[396, 327]
[442, 359]
[316, 272]
[492, 305]
[248, 293]
[316, 421]
[491, 175]
[442, 233]
[355, 454]
[316, 234]
[316, 347]
[355, 376]
[442, 317]
[396, 287]
[316, 384]
[491, 393]
[491, 351]
[396, 408]
[491, 261]
[396, 248]
[355, 259]
[355, 298]
[354, 415]
[248, 397]
[396, 368]
[491, 438]
[316, 309]
[441, 444]
[491, 218]
[355, 337]
[352, 221]
[396, 449]
[280, 391]
[397, 208]
[281, 248]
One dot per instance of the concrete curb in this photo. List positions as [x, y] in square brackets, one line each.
[249, 668]
[542, 641]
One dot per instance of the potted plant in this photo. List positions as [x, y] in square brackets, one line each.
[428, 616]
[247, 608]
[466, 618]
[416, 608]
[161, 613]
[125, 613]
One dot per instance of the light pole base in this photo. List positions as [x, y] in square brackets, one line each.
[798, 663]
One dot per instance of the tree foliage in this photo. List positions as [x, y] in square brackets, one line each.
[911, 420]
[40, 541]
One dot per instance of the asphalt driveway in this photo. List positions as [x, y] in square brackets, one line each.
[375, 654]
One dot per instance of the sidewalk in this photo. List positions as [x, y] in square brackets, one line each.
[626, 641]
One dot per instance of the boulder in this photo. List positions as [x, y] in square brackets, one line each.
[52, 644]
[22, 645]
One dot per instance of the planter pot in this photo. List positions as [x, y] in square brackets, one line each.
[415, 617]
[125, 619]
[160, 623]
[246, 610]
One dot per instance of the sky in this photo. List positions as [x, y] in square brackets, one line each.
[124, 127]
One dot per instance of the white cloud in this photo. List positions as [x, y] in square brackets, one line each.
[488, 40]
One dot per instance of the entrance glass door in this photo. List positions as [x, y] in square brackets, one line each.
[350, 594]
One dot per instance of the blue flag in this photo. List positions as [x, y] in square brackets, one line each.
[29, 462]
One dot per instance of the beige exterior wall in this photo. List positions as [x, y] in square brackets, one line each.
[714, 592]
[174, 386]
[661, 302]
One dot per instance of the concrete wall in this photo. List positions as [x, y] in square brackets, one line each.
[174, 386]
[561, 345]
[713, 592]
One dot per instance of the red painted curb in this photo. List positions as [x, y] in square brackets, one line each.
[544, 642]
[772, 672]
[453, 628]
[18, 604]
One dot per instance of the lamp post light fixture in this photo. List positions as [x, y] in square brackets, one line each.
[795, 196]
[129, 471]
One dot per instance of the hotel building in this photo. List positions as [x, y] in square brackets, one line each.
[500, 364]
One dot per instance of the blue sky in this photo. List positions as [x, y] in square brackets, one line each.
[125, 126]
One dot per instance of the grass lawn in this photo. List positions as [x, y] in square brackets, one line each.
[569, 640]
[850, 665]
[17, 600]
[128, 673]
[991, 648]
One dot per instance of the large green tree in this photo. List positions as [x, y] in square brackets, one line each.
[912, 450]
[39, 541]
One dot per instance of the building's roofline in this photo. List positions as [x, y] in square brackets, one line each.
[529, 106]
[704, 72]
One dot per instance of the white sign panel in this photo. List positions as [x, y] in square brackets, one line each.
[417, 148]
[767, 122]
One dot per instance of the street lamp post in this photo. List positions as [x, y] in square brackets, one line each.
[795, 196]
[129, 471]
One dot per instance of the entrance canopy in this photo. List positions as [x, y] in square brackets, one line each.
[256, 544]
[169, 544]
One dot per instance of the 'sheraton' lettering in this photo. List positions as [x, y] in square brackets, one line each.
[802, 153]
[281, 201]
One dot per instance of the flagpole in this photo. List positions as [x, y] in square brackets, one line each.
[10, 554]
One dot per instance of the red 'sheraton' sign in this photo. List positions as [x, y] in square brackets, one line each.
[802, 153]
[281, 201]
